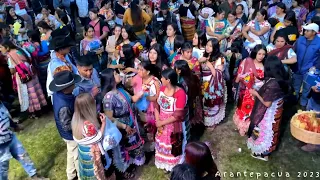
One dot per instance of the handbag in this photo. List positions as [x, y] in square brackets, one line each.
[23, 71]
[111, 136]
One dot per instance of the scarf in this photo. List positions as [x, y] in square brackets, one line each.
[281, 53]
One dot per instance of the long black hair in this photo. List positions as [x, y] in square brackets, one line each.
[107, 80]
[34, 35]
[215, 54]
[282, 6]
[291, 16]
[264, 13]
[178, 42]
[186, 46]
[255, 50]
[171, 75]
[202, 38]
[191, 80]
[273, 68]
[131, 35]
[162, 58]
[153, 69]
[175, 28]
[63, 16]
[86, 29]
[136, 13]
[44, 25]
[184, 172]
[7, 43]
[129, 56]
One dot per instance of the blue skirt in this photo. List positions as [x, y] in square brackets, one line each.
[86, 169]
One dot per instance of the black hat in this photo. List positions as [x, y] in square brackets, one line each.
[63, 80]
[61, 42]
[164, 6]
[61, 39]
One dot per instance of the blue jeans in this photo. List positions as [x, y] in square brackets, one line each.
[298, 80]
[16, 150]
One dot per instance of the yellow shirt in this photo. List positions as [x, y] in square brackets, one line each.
[127, 19]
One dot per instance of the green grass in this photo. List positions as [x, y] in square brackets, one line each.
[48, 151]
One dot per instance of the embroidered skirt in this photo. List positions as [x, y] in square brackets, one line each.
[267, 140]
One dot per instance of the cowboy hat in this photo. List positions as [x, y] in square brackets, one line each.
[61, 42]
[63, 80]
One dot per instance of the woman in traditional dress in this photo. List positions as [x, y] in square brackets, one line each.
[257, 30]
[107, 12]
[214, 89]
[117, 104]
[187, 12]
[45, 30]
[250, 76]
[148, 82]
[216, 28]
[186, 55]
[234, 28]
[88, 133]
[199, 43]
[30, 94]
[282, 50]
[192, 86]
[171, 134]
[40, 53]
[265, 118]
[93, 46]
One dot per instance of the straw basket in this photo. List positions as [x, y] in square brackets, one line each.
[304, 135]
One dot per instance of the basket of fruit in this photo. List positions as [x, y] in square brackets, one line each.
[305, 126]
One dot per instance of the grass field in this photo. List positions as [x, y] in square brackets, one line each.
[48, 151]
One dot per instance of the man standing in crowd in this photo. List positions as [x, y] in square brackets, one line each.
[307, 48]
[90, 81]
[161, 20]
[63, 107]
[60, 60]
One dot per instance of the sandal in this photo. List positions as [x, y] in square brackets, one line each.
[128, 175]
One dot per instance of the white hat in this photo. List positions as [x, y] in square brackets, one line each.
[312, 26]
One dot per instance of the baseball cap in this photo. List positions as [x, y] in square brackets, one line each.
[312, 26]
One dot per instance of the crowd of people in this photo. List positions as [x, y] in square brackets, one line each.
[147, 75]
